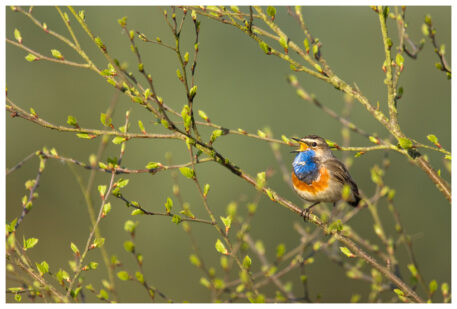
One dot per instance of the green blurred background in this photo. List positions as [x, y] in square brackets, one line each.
[238, 87]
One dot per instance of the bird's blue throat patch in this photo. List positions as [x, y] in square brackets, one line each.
[305, 166]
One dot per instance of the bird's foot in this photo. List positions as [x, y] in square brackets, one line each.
[306, 213]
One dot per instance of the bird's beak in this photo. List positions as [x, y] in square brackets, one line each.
[303, 146]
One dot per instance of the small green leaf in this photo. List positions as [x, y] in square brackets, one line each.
[17, 36]
[247, 262]
[399, 292]
[405, 143]
[100, 44]
[306, 44]
[123, 275]
[399, 60]
[153, 165]
[32, 111]
[261, 134]
[206, 190]
[98, 242]
[141, 126]
[56, 54]
[164, 123]
[130, 226]
[283, 41]
[271, 11]
[102, 190]
[72, 121]
[433, 286]
[121, 183]
[122, 21]
[194, 260]
[118, 140]
[205, 282]
[264, 46]
[347, 252]
[137, 212]
[203, 115]
[220, 247]
[31, 58]
[373, 139]
[227, 222]
[74, 248]
[139, 276]
[42, 267]
[105, 120]
[30, 243]
[85, 135]
[169, 205]
[176, 219]
[187, 172]
[192, 92]
[280, 250]
[129, 246]
[261, 180]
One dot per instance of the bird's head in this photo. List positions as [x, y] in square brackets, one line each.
[315, 143]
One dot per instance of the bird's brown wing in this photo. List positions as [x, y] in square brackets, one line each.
[340, 172]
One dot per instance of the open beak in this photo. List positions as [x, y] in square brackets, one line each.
[303, 146]
[299, 142]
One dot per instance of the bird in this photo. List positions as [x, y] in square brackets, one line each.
[318, 176]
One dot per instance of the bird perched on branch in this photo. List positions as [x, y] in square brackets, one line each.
[318, 176]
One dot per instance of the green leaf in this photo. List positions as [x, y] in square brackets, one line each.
[102, 190]
[205, 282]
[433, 286]
[347, 252]
[399, 292]
[98, 242]
[74, 248]
[17, 36]
[405, 143]
[129, 246]
[261, 180]
[271, 11]
[373, 139]
[283, 41]
[123, 275]
[139, 276]
[31, 58]
[30, 243]
[122, 21]
[42, 267]
[194, 260]
[56, 54]
[118, 140]
[72, 121]
[399, 60]
[169, 205]
[176, 219]
[192, 92]
[306, 44]
[433, 139]
[153, 165]
[85, 135]
[130, 226]
[121, 183]
[203, 115]
[187, 172]
[137, 212]
[206, 190]
[264, 46]
[280, 250]
[247, 262]
[141, 126]
[220, 247]
[227, 222]
[105, 119]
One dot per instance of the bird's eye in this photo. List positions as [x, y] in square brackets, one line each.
[314, 144]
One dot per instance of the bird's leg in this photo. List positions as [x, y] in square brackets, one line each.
[307, 211]
[334, 212]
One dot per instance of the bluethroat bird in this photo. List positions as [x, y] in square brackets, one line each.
[318, 176]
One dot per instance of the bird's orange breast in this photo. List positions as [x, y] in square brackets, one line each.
[315, 186]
